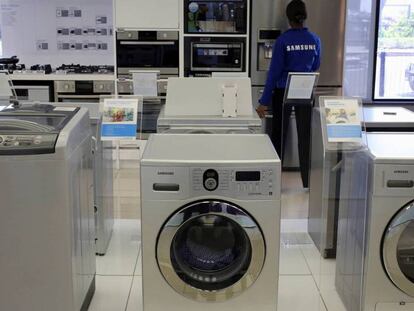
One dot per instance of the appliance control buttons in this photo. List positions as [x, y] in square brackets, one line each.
[211, 180]
[210, 184]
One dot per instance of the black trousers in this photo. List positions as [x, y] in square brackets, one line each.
[280, 126]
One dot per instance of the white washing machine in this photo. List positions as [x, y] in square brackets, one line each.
[380, 275]
[47, 253]
[210, 222]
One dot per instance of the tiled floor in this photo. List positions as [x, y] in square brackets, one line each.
[306, 281]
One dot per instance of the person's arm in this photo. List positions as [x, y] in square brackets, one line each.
[275, 72]
[317, 62]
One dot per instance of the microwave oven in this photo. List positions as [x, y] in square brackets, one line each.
[216, 17]
[204, 56]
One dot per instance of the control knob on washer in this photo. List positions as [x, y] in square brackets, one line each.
[211, 180]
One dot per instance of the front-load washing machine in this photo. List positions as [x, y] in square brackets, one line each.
[210, 222]
[47, 253]
[376, 267]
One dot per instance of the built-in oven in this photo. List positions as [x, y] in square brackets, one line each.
[205, 55]
[147, 50]
[216, 17]
[83, 91]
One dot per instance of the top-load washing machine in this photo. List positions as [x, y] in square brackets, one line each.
[209, 106]
[210, 222]
[47, 253]
[103, 177]
[375, 270]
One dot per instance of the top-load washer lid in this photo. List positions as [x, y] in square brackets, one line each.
[32, 129]
[388, 119]
[391, 148]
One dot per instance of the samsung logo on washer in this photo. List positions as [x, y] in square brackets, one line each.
[166, 173]
[301, 47]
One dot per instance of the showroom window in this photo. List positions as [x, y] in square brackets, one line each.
[394, 78]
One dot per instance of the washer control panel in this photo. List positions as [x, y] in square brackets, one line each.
[27, 144]
[243, 183]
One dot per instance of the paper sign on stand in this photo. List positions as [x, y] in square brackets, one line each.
[301, 87]
[343, 120]
[145, 83]
[120, 119]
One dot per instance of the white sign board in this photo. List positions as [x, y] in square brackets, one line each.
[120, 119]
[301, 86]
[6, 90]
[145, 83]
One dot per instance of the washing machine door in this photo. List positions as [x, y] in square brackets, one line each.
[398, 250]
[211, 251]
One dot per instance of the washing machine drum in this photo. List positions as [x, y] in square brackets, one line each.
[398, 250]
[211, 251]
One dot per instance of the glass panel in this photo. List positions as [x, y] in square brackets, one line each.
[405, 252]
[395, 54]
[216, 16]
[211, 252]
[165, 56]
[45, 123]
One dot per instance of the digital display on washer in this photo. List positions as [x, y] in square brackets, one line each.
[248, 176]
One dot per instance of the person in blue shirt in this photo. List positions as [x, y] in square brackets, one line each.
[296, 50]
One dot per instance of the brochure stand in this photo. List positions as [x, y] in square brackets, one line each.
[299, 91]
[333, 132]
[338, 186]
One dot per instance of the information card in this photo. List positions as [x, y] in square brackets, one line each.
[120, 119]
[343, 120]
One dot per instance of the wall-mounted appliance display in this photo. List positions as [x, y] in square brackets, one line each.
[215, 17]
[204, 55]
[141, 50]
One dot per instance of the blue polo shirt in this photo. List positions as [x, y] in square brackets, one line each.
[297, 50]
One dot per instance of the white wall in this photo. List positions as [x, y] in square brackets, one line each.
[27, 23]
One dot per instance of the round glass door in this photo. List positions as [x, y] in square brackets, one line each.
[398, 250]
[211, 251]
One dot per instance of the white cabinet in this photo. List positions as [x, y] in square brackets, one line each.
[147, 14]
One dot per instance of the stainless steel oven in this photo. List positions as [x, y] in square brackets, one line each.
[216, 17]
[144, 50]
[83, 91]
[205, 55]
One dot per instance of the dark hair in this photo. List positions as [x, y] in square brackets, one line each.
[296, 11]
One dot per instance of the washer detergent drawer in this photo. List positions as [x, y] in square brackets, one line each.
[394, 307]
